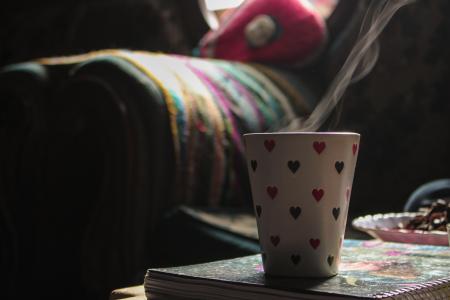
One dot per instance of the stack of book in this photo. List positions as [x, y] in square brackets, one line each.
[368, 270]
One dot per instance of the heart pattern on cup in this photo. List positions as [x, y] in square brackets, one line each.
[317, 194]
[330, 260]
[269, 144]
[295, 212]
[314, 243]
[339, 165]
[258, 210]
[293, 165]
[319, 147]
[272, 191]
[283, 185]
[254, 165]
[295, 258]
[336, 212]
[275, 239]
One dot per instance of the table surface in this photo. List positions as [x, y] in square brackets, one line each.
[129, 293]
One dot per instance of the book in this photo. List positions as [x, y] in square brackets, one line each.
[368, 270]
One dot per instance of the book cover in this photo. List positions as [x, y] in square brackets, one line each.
[368, 270]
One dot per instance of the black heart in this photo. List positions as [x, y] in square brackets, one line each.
[295, 211]
[336, 212]
[339, 165]
[295, 259]
[293, 165]
[275, 239]
[330, 259]
[258, 210]
[254, 165]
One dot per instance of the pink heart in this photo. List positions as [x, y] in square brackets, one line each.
[269, 144]
[355, 148]
[319, 146]
[275, 239]
[318, 194]
[314, 243]
[272, 191]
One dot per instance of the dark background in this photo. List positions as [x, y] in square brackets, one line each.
[402, 110]
[32, 29]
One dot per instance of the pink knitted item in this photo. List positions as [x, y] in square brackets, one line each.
[271, 31]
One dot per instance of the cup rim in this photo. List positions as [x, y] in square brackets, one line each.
[346, 133]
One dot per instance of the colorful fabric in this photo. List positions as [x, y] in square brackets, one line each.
[210, 104]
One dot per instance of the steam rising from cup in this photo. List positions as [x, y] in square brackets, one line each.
[358, 64]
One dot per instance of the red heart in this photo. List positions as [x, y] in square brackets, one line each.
[318, 194]
[314, 243]
[275, 240]
[269, 144]
[272, 191]
[355, 148]
[319, 146]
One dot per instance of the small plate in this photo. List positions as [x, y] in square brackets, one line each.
[384, 227]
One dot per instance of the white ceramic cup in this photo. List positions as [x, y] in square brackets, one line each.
[301, 184]
[448, 231]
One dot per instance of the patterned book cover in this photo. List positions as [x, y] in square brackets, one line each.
[368, 270]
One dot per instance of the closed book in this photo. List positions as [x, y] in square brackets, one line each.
[368, 270]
